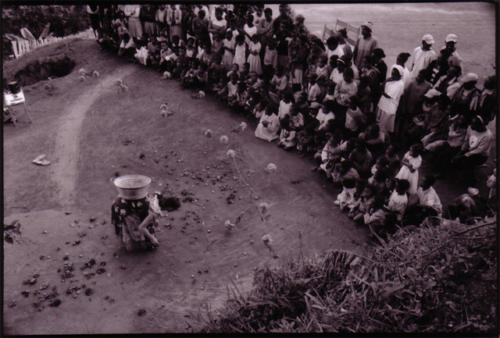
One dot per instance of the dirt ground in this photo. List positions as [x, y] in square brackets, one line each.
[90, 132]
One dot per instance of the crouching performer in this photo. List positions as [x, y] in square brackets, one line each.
[135, 213]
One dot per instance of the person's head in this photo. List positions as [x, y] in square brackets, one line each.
[396, 73]
[454, 71]
[163, 45]
[246, 67]
[269, 109]
[313, 78]
[229, 34]
[348, 75]
[416, 149]
[402, 58]
[366, 30]
[283, 9]
[470, 80]
[368, 191]
[240, 39]
[377, 55]
[341, 65]
[402, 186]
[126, 37]
[333, 61]
[268, 13]
[378, 203]
[322, 60]
[259, 10]
[391, 151]
[190, 42]
[427, 41]
[250, 20]
[428, 182]
[342, 35]
[255, 38]
[477, 124]
[287, 96]
[490, 82]
[345, 166]
[421, 76]
[451, 41]
[332, 43]
[218, 13]
[299, 20]
[201, 14]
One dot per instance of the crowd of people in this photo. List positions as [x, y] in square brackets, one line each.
[368, 132]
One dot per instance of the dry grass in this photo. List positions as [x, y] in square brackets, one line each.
[430, 279]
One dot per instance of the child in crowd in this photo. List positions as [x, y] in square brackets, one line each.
[253, 59]
[288, 134]
[366, 200]
[232, 89]
[270, 63]
[228, 45]
[398, 201]
[268, 126]
[412, 161]
[240, 51]
[285, 105]
[259, 109]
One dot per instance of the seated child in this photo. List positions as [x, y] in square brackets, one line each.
[232, 89]
[398, 201]
[259, 109]
[141, 52]
[366, 201]
[288, 134]
[268, 126]
[127, 46]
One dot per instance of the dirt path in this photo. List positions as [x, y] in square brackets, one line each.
[67, 146]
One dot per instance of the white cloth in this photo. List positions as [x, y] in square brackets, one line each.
[430, 198]
[397, 203]
[268, 127]
[421, 59]
[284, 109]
[394, 89]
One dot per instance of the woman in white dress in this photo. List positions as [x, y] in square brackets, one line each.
[240, 51]
[228, 45]
[268, 125]
[409, 170]
[389, 101]
[253, 60]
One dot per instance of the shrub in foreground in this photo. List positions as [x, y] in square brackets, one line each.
[430, 279]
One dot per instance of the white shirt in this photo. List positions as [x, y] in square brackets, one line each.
[430, 198]
[421, 59]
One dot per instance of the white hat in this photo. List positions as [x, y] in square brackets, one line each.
[428, 39]
[470, 77]
[451, 37]
[399, 69]
[473, 191]
[367, 24]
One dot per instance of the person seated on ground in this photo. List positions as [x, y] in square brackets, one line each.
[167, 58]
[295, 123]
[244, 72]
[491, 184]
[305, 138]
[202, 77]
[361, 159]
[324, 116]
[141, 52]
[231, 90]
[259, 109]
[348, 176]
[181, 64]
[411, 162]
[398, 200]
[153, 52]
[322, 68]
[474, 151]
[330, 92]
[327, 155]
[135, 220]
[376, 216]
[337, 67]
[279, 83]
[127, 46]
[191, 48]
[464, 208]
[354, 204]
[268, 126]
[313, 90]
[382, 163]
[373, 138]
[189, 78]
[241, 96]
[285, 105]
[220, 88]
[366, 200]
[429, 203]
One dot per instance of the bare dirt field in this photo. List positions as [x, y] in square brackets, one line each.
[91, 132]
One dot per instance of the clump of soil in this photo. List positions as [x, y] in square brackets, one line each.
[41, 70]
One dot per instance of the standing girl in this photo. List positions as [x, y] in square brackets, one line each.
[228, 46]
[254, 55]
[240, 51]
[409, 170]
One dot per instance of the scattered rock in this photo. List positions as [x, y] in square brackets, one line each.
[142, 156]
[67, 212]
[100, 271]
[92, 219]
[89, 292]
[25, 293]
[141, 312]
[55, 303]
[12, 304]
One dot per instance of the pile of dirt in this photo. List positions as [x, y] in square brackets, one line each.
[41, 70]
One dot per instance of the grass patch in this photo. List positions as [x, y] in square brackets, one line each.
[428, 279]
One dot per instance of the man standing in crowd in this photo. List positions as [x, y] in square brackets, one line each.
[423, 55]
[364, 46]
